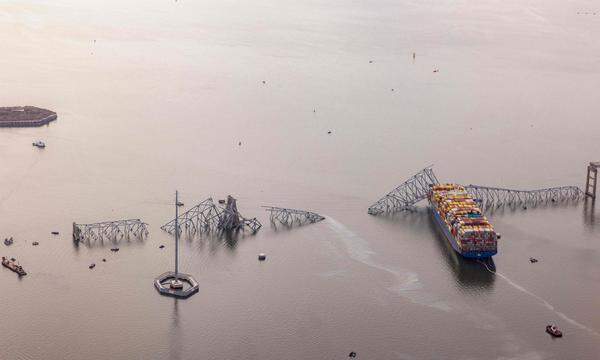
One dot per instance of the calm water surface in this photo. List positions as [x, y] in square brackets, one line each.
[154, 96]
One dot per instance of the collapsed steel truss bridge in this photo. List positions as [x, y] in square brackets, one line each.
[407, 194]
[490, 197]
[207, 217]
[110, 230]
[415, 189]
[290, 217]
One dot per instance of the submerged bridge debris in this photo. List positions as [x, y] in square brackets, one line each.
[407, 194]
[415, 189]
[110, 230]
[209, 217]
[289, 217]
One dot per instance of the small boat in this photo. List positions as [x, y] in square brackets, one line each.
[533, 260]
[114, 249]
[92, 265]
[262, 257]
[221, 201]
[161, 247]
[12, 265]
[103, 260]
[55, 233]
[39, 144]
[553, 330]
[8, 242]
[35, 243]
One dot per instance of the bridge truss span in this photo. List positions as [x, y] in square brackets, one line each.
[407, 194]
[495, 197]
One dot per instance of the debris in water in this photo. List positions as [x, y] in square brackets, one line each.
[436, 70]
[370, 61]
[262, 257]
[55, 233]
[114, 249]
[352, 354]
[92, 265]
[414, 55]
[240, 143]
[264, 82]
[533, 260]
[9, 241]
[329, 132]
[35, 243]
[161, 247]
[179, 203]
[103, 260]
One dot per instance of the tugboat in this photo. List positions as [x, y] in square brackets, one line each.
[553, 330]
[12, 265]
[8, 242]
[39, 144]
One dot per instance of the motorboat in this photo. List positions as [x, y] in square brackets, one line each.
[39, 144]
[8, 241]
[553, 330]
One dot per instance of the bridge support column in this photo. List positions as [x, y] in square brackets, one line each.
[592, 179]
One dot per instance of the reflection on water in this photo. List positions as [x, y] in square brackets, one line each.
[589, 212]
[469, 274]
[217, 240]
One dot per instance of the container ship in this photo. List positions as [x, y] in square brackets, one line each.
[461, 221]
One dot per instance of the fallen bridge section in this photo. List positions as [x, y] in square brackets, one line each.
[291, 217]
[406, 195]
[496, 197]
[110, 230]
[209, 217]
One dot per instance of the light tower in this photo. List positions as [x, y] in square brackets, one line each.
[175, 283]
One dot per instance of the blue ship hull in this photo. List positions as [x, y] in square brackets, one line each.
[448, 235]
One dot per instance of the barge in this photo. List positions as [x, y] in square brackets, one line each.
[461, 221]
[12, 265]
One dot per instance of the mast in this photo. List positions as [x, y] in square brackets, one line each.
[176, 236]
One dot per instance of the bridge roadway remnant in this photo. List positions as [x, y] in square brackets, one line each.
[111, 230]
[290, 217]
[416, 188]
[207, 217]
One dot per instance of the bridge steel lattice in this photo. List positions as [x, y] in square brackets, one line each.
[110, 230]
[406, 195]
[290, 217]
[495, 197]
[207, 217]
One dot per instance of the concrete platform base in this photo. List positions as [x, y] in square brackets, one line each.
[162, 283]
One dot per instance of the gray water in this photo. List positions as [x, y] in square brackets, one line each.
[154, 96]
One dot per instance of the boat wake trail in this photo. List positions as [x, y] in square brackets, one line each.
[543, 302]
[408, 284]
